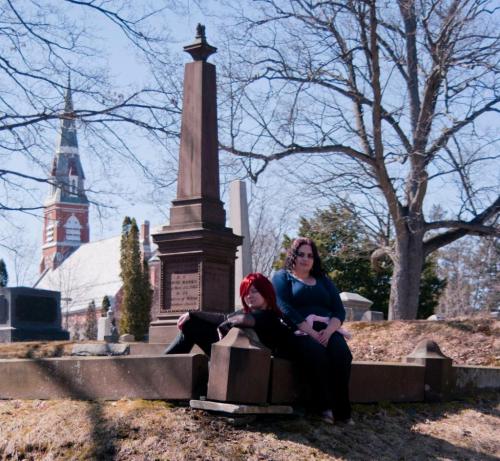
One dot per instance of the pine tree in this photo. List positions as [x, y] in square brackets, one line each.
[91, 321]
[4, 276]
[105, 305]
[135, 311]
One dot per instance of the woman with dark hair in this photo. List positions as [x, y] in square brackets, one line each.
[259, 312]
[311, 302]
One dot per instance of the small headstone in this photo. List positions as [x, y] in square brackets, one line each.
[127, 338]
[103, 327]
[240, 369]
[435, 317]
[100, 349]
[372, 316]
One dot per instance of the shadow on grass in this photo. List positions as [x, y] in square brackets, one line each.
[385, 432]
[102, 435]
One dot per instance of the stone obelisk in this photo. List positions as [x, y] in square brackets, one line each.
[196, 250]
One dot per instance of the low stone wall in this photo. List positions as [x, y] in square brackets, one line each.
[173, 377]
[470, 379]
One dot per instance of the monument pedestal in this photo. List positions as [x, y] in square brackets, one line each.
[197, 274]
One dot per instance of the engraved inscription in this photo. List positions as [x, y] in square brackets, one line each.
[182, 286]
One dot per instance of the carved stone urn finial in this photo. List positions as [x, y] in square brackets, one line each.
[200, 50]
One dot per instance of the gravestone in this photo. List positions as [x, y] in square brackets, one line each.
[196, 250]
[355, 305]
[30, 314]
[238, 216]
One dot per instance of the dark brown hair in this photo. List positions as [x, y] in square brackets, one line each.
[291, 256]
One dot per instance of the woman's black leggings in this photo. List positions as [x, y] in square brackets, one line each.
[326, 371]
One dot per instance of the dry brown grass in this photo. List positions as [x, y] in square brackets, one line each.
[139, 430]
[474, 341]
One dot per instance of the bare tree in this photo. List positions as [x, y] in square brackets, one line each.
[386, 101]
[41, 44]
[471, 268]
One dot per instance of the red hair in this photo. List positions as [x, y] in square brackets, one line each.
[263, 286]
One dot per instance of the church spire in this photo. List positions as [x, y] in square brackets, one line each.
[67, 136]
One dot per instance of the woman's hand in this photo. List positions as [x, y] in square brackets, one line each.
[182, 320]
[307, 328]
[333, 326]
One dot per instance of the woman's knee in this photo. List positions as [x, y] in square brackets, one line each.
[339, 350]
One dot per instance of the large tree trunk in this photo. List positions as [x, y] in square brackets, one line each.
[405, 285]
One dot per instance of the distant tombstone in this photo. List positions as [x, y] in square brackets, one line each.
[104, 326]
[238, 214]
[372, 316]
[356, 305]
[127, 338]
[30, 314]
[435, 317]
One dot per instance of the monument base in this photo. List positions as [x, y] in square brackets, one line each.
[10, 334]
[163, 331]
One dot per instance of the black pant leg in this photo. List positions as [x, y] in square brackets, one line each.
[180, 345]
[313, 362]
[340, 359]
[201, 332]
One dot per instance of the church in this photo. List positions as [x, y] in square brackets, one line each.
[83, 271]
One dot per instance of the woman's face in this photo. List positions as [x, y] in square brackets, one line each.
[305, 259]
[254, 300]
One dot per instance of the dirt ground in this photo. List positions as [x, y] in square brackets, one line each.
[141, 430]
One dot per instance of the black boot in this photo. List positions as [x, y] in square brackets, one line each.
[180, 345]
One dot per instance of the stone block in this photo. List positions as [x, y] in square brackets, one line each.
[172, 377]
[239, 369]
[471, 379]
[439, 373]
[285, 383]
[127, 338]
[372, 316]
[238, 409]
[103, 328]
[100, 349]
[386, 381]
[30, 314]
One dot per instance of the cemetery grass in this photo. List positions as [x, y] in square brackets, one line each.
[143, 430]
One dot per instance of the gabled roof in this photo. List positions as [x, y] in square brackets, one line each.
[90, 273]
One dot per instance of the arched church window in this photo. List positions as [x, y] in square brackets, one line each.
[73, 229]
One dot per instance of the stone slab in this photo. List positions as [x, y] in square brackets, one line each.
[173, 377]
[100, 349]
[241, 409]
[147, 348]
[386, 381]
[372, 316]
[469, 379]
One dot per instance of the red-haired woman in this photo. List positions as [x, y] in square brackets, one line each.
[259, 312]
[304, 292]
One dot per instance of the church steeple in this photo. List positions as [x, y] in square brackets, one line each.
[67, 175]
[66, 209]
